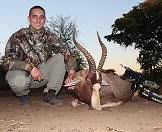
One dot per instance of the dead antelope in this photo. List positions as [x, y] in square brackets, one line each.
[96, 88]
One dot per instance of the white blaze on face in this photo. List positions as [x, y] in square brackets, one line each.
[97, 75]
[95, 100]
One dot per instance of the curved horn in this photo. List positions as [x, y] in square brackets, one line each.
[91, 61]
[104, 53]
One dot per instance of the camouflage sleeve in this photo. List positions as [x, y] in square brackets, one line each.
[14, 56]
[60, 47]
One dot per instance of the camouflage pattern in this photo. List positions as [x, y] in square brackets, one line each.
[26, 49]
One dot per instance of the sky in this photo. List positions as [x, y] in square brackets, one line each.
[90, 16]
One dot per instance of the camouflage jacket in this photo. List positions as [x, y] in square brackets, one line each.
[26, 49]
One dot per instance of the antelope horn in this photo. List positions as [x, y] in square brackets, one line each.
[104, 53]
[91, 61]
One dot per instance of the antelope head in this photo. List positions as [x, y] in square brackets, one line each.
[87, 83]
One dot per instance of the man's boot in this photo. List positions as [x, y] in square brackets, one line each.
[50, 98]
[24, 99]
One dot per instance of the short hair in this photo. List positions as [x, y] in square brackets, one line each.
[36, 7]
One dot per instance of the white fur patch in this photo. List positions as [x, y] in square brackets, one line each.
[95, 100]
[97, 75]
[104, 83]
[112, 104]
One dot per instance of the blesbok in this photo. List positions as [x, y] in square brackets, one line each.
[96, 88]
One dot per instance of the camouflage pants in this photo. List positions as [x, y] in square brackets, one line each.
[53, 72]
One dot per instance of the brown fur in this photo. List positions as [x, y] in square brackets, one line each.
[89, 82]
[83, 90]
[117, 89]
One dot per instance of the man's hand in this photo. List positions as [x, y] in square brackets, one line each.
[36, 74]
[69, 78]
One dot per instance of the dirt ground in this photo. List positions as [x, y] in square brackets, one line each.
[138, 116]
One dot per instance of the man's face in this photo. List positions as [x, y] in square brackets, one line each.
[37, 19]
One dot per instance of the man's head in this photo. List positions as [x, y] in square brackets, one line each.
[37, 17]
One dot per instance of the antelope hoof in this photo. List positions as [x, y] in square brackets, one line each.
[75, 103]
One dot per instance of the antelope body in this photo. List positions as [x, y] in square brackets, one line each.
[96, 88]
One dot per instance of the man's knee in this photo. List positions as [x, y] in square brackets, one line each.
[18, 80]
[60, 57]
[57, 58]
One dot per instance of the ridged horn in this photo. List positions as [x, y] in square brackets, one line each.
[104, 54]
[91, 61]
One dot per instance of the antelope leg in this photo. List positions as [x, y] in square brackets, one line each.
[112, 104]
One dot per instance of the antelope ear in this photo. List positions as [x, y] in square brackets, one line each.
[73, 83]
[104, 83]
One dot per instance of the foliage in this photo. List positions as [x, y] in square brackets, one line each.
[142, 28]
[0, 59]
[64, 27]
[3, 82]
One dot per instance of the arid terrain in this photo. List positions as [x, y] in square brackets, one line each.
[139, 115]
